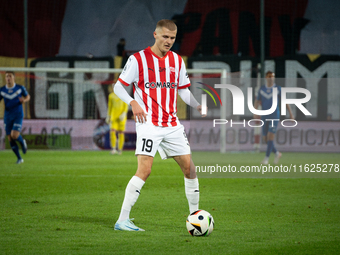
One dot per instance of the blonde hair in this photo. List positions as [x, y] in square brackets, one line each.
[169, 24]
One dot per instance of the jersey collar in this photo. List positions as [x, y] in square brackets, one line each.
[149, 49]
[11, 87]
[270, 87]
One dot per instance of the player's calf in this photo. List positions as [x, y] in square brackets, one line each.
[15, 149]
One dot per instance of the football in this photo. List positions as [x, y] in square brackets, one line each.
[200, 223]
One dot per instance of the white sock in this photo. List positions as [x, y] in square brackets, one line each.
[132, 192]
[192, 193]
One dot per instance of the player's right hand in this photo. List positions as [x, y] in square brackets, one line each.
[138, 113]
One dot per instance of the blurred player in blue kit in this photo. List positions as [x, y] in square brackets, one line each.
[14, 96]
[265, 99]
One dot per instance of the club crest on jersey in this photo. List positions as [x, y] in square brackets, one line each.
[172, 69]
[155, 85]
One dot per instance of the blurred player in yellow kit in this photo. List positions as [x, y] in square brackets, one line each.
[116, 118]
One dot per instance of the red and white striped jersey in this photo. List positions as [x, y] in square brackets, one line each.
[156, 81]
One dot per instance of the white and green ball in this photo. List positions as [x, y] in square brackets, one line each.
[200, 223]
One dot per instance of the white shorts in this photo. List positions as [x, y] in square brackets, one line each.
[169, 141]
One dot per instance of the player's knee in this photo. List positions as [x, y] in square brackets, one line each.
[14, 136]
[144, 167]
[270, 136]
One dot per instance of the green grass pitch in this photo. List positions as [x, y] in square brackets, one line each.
[66, 202]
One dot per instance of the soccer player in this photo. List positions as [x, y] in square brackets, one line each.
[157, 75]
[14, 96]
[265, 99]
[116, 118]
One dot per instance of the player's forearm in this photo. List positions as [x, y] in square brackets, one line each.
[188, 98]
[122, 93]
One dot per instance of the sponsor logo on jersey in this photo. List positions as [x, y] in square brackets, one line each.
[155, 85]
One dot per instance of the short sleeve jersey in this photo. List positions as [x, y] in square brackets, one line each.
[13, 107]
[265, 95]
[156, 82]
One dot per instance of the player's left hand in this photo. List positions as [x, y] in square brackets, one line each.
[21, 99]
[199, 108]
